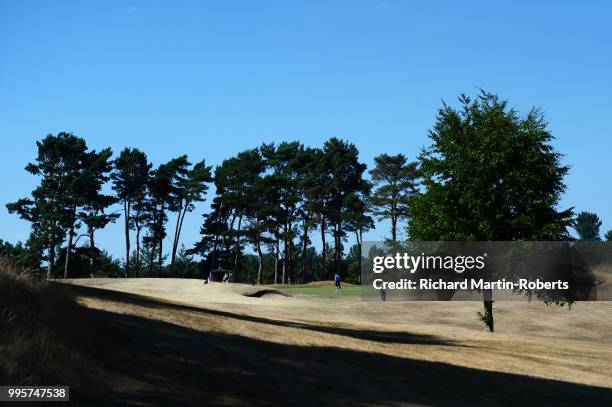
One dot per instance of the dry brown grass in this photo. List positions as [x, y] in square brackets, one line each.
[248, 354]
[39, 344]
[178, 342]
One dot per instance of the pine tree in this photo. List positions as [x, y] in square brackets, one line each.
[394, 181]
[587, 225]
[130, 178]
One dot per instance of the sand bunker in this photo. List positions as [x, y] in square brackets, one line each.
[267, 293]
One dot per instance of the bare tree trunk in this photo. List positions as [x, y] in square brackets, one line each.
[289, 263]
[180, 230]
[276, 254]
[151, 256]
[337, 245]
[160, 257]
[487, 296]
[215, 244]
[51, 259]
[324, 249]
[137, 248]
[92, 248]
[126, 215]
[228, 238]
[285, 246]
[304, 250]
[236, 255]
[68, 248]
[394, 228]
[289, 255]
[359, 237]
[261, 260]
[176, 231]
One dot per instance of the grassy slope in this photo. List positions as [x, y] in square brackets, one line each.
[39, 344]
[325, 349]
[252, 357]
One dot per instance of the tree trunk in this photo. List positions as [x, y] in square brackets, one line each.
[487, 296]
[285, 250]
[68, 248]
[92, 248]
[180, 229]
[160, 258]
[261, 260]
[174, 242]
[289, 263]
[151, 256]
[276, 254]
[304, 250]
[358, 236]
[324, 249]
[394, 228]
[215, 244]
[228, 238]
[177, 234]
[137, 249]
[289, 254]
[337, 244]
[126, 215]
[51, 259]
[237, 254]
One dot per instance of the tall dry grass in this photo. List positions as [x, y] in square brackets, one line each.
[40, 343]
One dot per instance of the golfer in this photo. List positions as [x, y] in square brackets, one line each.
[337, 281]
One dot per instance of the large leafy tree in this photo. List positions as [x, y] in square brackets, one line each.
[394, 181]
[130, 178]
[587, 225]
[489, 174]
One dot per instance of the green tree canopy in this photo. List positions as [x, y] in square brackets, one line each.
[489, 174]
[130, 178]
[587, 225]
[394, 181]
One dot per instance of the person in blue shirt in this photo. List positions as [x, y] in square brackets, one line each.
[337, 281]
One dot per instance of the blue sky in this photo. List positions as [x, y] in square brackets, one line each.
[212, 78]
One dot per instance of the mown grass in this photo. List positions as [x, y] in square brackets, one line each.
[321, 290]
[43, 332]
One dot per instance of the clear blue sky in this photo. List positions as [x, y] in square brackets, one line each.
[212, 78]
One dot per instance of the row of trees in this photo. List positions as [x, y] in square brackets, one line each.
[489, 174]
[271, 199]
[69, 202]
[274, 197]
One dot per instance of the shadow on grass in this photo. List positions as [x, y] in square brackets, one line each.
[158, 363]
[371, 335]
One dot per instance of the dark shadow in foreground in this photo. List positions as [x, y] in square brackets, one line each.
[370, 335]
[158, 363]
